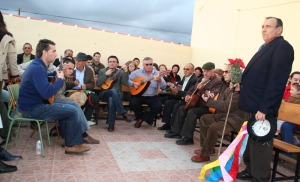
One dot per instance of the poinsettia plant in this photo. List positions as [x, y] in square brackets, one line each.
[235, 68]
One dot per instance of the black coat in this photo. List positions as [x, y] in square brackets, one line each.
[20, 58]
[265, 77]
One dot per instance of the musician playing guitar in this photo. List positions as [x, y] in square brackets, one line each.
[112, 79]
[149, 96]
[185, 120]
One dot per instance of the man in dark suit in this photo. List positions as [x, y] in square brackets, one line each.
[26, 56]
[171, 106]
[185, 120]
[262, 88]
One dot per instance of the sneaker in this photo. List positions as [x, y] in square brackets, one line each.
[91, 123]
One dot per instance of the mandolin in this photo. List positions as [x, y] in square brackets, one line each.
[144, 83]
[109, 82]
[195, 95]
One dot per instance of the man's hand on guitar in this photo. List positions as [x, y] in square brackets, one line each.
[187, 98]
[76, 83]
[108, 72]
[60, 74]
[205, 97]
[200, 86]
[136, 84]
[157, 78]
[83, 87]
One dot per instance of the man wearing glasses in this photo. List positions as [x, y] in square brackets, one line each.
[26, 56]
[171, 106]
[149, 95]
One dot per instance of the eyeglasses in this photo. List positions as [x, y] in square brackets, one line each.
[186, 69]
[150, 64]
[226, 72]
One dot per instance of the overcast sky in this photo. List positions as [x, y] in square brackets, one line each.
[169, 20]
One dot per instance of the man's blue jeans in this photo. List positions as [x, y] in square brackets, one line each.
[287, 133]
[82, 119]
[68, 116]
[114, 105]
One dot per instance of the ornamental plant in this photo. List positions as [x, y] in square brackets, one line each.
[235, 68]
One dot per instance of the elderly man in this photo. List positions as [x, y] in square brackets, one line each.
[179, 91]
[211, 125]
[262, 88]
[148, 95]
[186, 119]
[26, 56]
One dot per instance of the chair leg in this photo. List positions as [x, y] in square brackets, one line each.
[9, 133]
[17, 134]
[297, 167]
[41, 138]
[275, 165]
[47, 130]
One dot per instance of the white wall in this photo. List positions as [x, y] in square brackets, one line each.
[225, 29]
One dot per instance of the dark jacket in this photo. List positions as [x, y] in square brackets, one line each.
[213, 86]
[88, 79]
[192, 81]
[20, 58]
[265, 77]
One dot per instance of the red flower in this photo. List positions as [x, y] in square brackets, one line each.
[237, 60]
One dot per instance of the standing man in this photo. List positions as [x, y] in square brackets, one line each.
[149, 96]
[262, 88]
[35, 89]
[112, 94]
[26, 56]
[97, 65]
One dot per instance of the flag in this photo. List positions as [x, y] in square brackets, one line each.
[227, 165]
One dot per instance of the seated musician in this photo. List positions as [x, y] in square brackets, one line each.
[148, 95]
[111, 79]
[67, 69]
[84, 81]
[211, 125]
[186, 117]
[171, 106]
[35, 89]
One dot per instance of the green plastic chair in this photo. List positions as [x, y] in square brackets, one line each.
[18, 118]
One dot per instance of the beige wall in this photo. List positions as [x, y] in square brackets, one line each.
[232, 28]
[87, 40]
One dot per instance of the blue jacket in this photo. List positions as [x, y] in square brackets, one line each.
[265, 77]
[35, 88]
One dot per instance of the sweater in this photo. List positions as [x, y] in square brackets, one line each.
[35, 88]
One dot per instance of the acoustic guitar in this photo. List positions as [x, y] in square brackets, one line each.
[195, 95]
[144, 83]
[109, 82]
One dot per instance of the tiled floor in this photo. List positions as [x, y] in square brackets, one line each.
[128, 155]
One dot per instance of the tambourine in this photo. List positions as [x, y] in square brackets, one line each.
[262, 131]
[78, 94]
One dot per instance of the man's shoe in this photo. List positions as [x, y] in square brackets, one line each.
[4, 168]
[164, 127]
[77, 149]
[111, 128]
[198, 151]
[90, 140]
[5, 156]
[150, 122]
[138, 123]
[185, 141]
[200, 158]
[127, 118]
[91, 123]
[172, 135]
[244, 175]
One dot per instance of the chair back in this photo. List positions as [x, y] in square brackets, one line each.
[13, 97]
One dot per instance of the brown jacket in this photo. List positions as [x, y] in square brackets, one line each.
[235, 118]
[88, 79]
